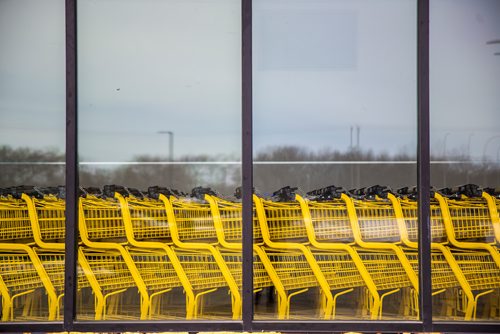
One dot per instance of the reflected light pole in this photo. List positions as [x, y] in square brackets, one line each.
[444, 143]
[485, 147]
[444, 158]
[170, 154]
[468, 145]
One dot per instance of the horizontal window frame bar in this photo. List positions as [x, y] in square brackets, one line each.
[295, 162]
[31, 326]
[145, 326]
[305, 326]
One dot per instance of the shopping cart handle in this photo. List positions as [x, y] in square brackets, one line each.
[59, 191]
[470, 190]
[200, 192]
[18, 191]
[378, 190]
[285, 194]
[412, 193]
[155, 191]
[239, 194]
[449, 192]
[492, 191]
[84, 191]
[109, 190]
[357, 193]
[326, 193]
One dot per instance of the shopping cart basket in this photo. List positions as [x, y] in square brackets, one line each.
[48, 220]
[450, 267]
[22, 288]
[268, 270]
[284, 229]
[192, 229]
[15, 221]
[16, 239]
[102, 229]
[376, 227]
[147, 227]
[471, 223]
[329, 228]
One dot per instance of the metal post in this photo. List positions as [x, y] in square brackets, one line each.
[247, 164]
[170, 155]
[423, 167]
[72, 182]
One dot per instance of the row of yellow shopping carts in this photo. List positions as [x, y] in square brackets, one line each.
[135, 250]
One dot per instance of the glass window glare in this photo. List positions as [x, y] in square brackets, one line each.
[32, 155]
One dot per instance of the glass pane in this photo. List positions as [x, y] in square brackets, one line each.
[465, 154]
[32, 128]
[159, 142]
[335, 111]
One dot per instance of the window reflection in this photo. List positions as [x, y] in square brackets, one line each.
[32, 128]
[159, 125]
[334, 104]
[464, 141]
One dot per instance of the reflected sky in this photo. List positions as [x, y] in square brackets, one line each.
[320, 67]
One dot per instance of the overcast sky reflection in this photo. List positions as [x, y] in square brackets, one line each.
[320, 67]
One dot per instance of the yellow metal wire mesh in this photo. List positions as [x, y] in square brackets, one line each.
[385, 268]
[285, 221]
[201, 269]
[471, 219]
[15, 222]
[53, 264]
[234, 262]
[441, 273]
[479, 268]
[102, 218]
[292, 269]
[339, 269]
[155, 269]
[330, 221]
[194, 221]
[18, 273]
[51, 218]
[149, 219]
[377, 220]
[410, 214]
[231, 218]
[109, 270]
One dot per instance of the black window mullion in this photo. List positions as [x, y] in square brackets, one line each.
[70, 284]
[423, 165]
[247, 163]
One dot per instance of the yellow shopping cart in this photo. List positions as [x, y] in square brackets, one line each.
[285, 271]
[147, 227]
[375, 226]
[18, 285]
[472, 223]
[332, 271]
[329, 227]
[451, 269]
[102, 230]
[227, 219]
[192, 231]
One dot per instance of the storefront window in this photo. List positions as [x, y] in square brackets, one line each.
[465, 148]
[335, 110]
[32, 127]
[159, 142]
[178, 102]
